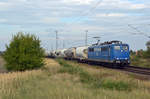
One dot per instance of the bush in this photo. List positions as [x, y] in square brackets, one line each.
[113, 85]
[24, 53]
[147, 53]
[85, 77]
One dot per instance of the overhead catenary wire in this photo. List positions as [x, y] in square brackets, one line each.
[139, 32]
[90, 11]
[86, 13]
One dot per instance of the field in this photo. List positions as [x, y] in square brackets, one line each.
[2, 68]
[61, 79]
[142, 62]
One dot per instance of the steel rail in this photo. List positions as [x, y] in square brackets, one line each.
[138, 70]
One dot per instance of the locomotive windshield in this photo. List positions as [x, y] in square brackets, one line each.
[125, 48]
[117, 47]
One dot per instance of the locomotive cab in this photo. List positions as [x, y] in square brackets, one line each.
[114, 52]
[121, 54]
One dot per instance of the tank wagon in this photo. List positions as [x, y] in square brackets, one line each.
[115, 53]
[70, 53]
[57, 53]
[62, 53]
[52, 54]
[47, 53]
[81, 53]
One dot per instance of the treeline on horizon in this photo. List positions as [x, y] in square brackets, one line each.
[142, 53]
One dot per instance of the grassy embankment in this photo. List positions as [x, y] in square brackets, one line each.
[71, 80]
[139, 61]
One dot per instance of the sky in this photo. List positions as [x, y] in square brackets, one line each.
[107, 19]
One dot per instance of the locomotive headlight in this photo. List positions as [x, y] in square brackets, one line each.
[117, 58]
[117, 61]
[128, 61]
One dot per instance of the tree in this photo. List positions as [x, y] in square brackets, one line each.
[24, 53]
[132, 52]
[147, 53]
[148, 44]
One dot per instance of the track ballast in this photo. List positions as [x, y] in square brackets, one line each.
[137, 69]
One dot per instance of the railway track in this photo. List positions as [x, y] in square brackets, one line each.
[131, 69]
[138, 70]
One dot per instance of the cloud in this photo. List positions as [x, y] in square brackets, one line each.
[111, 15]
[116, 15]
[123, 4]
[138, 6]
[85, 2]
[3, 20]
[5, 6]
[48, 20]
[73, 17]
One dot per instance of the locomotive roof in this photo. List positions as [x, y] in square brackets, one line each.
[108, 44]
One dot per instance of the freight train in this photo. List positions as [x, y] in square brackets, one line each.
[114, 53]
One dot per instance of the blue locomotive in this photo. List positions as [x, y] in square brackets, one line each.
[114, 52]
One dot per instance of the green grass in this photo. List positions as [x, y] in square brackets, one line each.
[139, 61]
[113, 85]
[75, 70]
[71, 80]
[94, 82]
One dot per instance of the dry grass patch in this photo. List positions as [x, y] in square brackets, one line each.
[2, 63]
[116, 78]
[50, 83]
[11, 83]
[51, 66]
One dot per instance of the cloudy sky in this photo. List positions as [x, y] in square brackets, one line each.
[109, 19]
